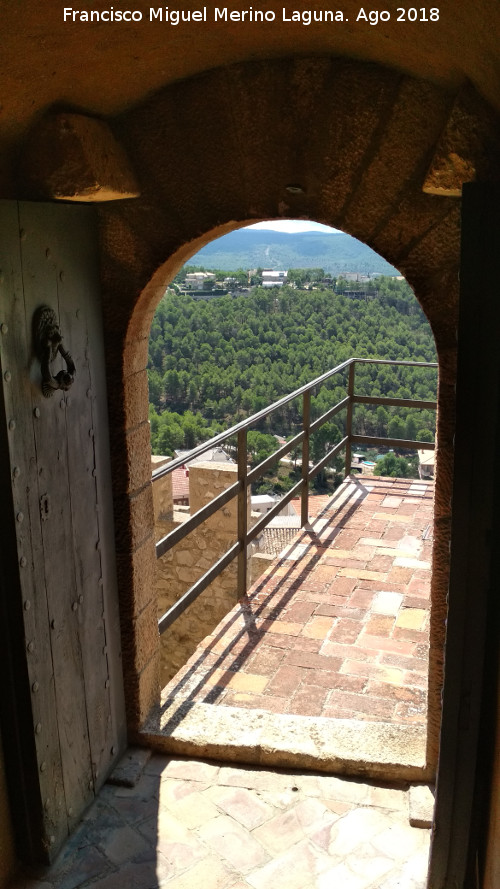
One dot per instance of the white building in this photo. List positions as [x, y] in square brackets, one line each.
[273, 278]
[426, 464]
[214, 455]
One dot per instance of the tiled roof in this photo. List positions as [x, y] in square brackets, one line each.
[273, 540]
[317, 502]
[180, 484]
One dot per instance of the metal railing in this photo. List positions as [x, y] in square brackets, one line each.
[246, 476]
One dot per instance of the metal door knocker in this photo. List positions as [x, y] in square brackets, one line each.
[48, 344]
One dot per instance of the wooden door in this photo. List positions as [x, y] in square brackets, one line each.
[61, 640]
[470, 694]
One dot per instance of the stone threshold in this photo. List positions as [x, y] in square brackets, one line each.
[374, 750]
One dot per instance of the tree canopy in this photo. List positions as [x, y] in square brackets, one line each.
[213, 362]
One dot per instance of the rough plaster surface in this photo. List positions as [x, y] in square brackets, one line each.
[339, 746]
[73, 157]
[459, 155]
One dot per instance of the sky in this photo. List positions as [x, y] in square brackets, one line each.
[293, 225]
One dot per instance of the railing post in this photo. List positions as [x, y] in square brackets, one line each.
[348, 431]
[306, 423]
[242, 512]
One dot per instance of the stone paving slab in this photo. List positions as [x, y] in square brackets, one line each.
[338, 625]
[261, 829]
[130, 768]
[421, 806]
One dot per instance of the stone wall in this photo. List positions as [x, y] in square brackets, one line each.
[180, 568]
[259, 563]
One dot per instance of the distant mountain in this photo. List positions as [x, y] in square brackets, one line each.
[334, 252]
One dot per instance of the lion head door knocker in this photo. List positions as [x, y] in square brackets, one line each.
[48, 344]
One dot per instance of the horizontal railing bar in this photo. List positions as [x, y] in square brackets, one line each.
[395, 402]
[402, 363]
[250, 421]
[403, 443]
[199, 450]
[176, 610]
[330, 413]
[328, 457]
[276, 509]
[230, 493]
[193, 521]
[261, 468]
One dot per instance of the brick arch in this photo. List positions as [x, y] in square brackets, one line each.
[216, 152]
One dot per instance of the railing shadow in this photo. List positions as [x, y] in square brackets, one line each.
[317, 543]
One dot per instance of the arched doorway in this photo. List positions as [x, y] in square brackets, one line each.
[373, 189]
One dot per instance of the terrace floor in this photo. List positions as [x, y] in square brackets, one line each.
[338, 626]
[185, 823]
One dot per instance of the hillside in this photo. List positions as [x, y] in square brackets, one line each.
[334, 252]
[213, 362]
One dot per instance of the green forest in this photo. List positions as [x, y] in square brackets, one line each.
[213, 362]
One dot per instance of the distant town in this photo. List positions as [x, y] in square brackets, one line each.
[202, 284]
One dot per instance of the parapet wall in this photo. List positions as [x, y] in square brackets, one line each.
[180, 568]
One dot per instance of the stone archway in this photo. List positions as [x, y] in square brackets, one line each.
[219, 151]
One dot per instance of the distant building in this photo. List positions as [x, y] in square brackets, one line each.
[357, 459]
[262, 503]
[358, 277]
[273, 278]
[200, 280]
[180, 476]
[426, 464]
[216, 455]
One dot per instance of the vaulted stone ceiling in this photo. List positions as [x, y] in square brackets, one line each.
[105, 68]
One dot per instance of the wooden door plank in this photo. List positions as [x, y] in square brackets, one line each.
[80, 311]
[109, 587]
[21, 399]
[39, 244]
[59, 517]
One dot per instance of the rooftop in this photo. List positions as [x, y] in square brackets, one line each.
[218, 455]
